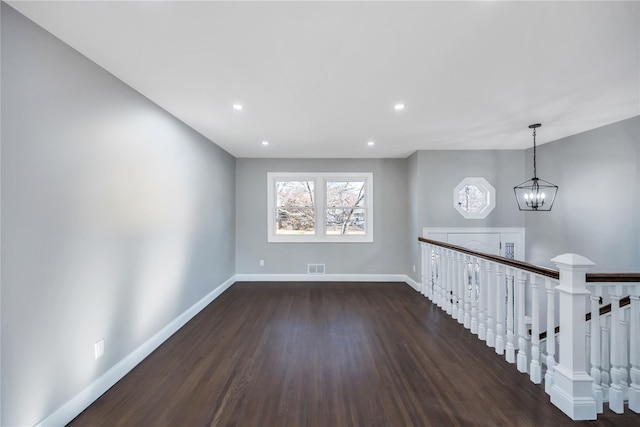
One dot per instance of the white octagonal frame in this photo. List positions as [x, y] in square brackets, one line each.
[482, 184]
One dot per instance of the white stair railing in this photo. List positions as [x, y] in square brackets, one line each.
[614, 342]
[508, 303]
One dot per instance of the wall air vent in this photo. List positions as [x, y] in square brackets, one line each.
[315, 268]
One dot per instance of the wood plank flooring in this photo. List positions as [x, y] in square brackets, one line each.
[326, 354]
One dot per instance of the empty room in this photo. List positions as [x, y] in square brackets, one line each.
[320, 213]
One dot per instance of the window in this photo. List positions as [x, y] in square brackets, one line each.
[320, 207]
[474, 198]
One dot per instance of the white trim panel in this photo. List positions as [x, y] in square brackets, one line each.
[514, 235]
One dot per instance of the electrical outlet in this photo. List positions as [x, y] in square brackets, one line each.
[98, 348]
[261, 263]
[414, 268]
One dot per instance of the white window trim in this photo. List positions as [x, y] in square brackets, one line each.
[320, 179]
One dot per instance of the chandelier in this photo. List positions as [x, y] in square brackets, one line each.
[535, 194]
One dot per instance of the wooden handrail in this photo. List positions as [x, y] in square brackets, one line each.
[613, 277]
[607, 308]
[603, 310]
[542, 271]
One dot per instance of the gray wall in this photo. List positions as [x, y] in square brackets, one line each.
[386, 255]
[441, 171]
[116, 217]
[596, 213]
[434, 174]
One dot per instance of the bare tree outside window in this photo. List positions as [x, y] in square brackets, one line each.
[345, 207]
[295, 207]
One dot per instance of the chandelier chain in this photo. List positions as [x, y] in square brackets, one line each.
[535, 175]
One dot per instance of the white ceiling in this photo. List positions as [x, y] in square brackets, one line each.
[320, 79]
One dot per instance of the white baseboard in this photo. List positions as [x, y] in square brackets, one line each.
[81, 401]
[415, 285]
[324, 278]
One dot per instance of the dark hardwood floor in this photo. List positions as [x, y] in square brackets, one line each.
[326, 354]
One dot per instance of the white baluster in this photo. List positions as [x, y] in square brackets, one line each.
[500, 309]
[491, 304]
[422, 279]
[468, 277]
[624, 365]
[474, 295]
[453, 291]
[510, 349]
[522, 328]
[634, 348]
[461, 285]
[439, 276]
[596, 349]
[616, 393]
[605, 358]
[427, 266]
[423, 285]
[442, 277]
[455, 276]
[435, 273]
[482, 302]
[535, 370]
[447, 290]
[433, 262]
[551, 335]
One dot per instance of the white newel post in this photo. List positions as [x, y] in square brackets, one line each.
[571, 391]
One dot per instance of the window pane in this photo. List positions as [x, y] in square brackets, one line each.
[345, 221]
[293, 220]
[345, 194]
[295, 208]
[295, 193]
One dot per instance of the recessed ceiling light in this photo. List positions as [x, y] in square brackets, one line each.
[238, 107]
[371, 143]
[265, 142]
[398, 107]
